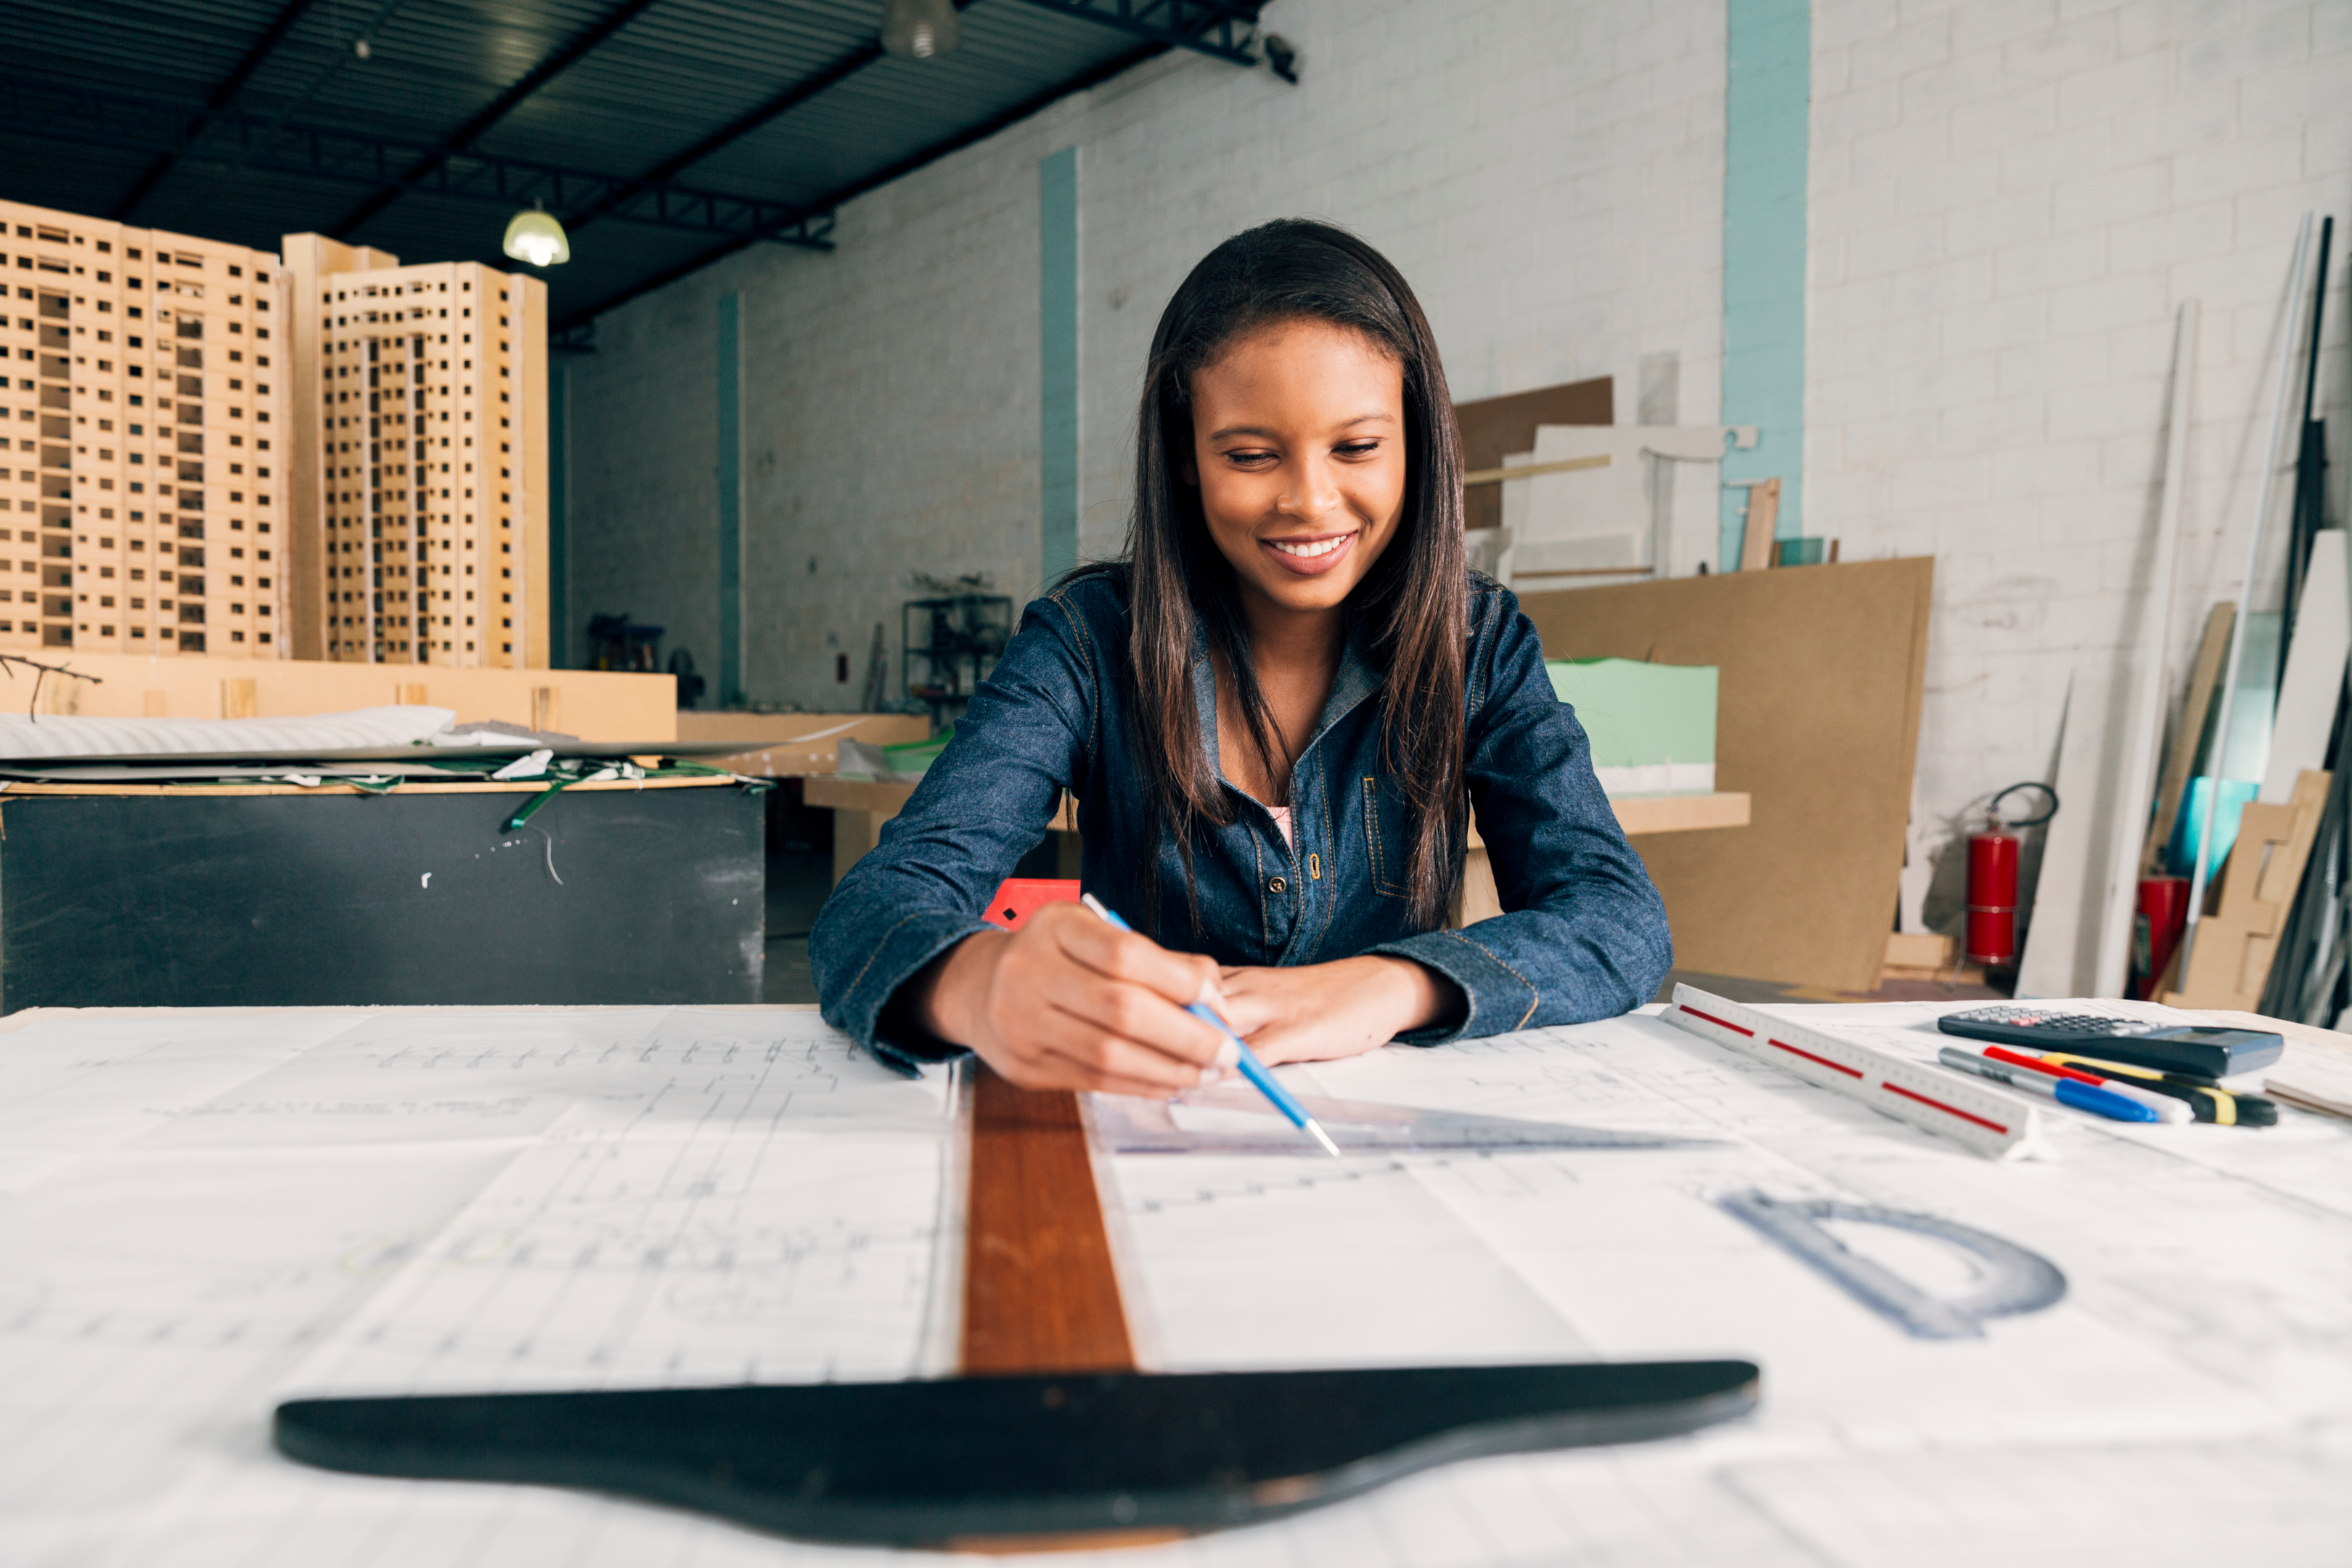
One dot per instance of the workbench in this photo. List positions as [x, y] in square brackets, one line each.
[210, 1211]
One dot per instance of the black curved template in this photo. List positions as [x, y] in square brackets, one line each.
[968, 1459]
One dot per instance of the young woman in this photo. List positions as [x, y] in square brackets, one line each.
[1276, 715]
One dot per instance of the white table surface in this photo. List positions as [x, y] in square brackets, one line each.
[202, 1212]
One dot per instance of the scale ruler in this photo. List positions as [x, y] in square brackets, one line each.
[1998, 1125]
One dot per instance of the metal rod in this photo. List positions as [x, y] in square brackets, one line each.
[2245, 598]
[2304, 521]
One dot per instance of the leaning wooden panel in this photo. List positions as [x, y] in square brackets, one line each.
[1821, 672]
[1492, 429]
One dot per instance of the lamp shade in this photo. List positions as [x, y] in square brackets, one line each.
[921, 29]
[535, 237]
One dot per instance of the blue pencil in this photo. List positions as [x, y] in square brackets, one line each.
[1252, 1068]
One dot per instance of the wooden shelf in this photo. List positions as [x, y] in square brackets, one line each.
[876, 795]
[1641, 814]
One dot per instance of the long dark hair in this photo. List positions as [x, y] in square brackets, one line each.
[1414, 604]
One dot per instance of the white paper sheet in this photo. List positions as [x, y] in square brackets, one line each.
[212, 1212]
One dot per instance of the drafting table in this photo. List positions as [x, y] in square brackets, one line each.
[860, 807]
[207, 1211]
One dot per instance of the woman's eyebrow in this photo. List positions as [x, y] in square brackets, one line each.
[1263, 433]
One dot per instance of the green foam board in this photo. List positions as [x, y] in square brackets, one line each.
[1637, 714]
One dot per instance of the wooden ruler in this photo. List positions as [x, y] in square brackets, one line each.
[1039, 1291]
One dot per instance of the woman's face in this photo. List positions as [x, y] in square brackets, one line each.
[1299, 447]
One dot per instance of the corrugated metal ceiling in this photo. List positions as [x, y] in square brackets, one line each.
[627, 103]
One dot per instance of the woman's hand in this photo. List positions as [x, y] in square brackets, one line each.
[1070, 1002]
[1320, 1011]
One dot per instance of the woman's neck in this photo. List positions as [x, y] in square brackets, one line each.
[1295, 655]
[1289, 645]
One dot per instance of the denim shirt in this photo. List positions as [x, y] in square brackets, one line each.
[1583, 931]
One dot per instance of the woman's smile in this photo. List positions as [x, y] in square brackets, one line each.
[1312, 555]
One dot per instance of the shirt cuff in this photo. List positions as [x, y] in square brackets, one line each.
[903, 950]
[1498, 997]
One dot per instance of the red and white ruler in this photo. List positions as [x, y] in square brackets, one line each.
[1999, 1125]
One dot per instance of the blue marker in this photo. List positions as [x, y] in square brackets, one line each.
[2064, 1091]
[1252, 1068]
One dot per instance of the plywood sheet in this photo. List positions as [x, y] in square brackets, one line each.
[1493, 427]
[1817, 722]
[2064, 936]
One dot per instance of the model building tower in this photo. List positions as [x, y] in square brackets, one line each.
[142, 499]
[420, 446]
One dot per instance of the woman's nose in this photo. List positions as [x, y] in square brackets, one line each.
[1314, 494]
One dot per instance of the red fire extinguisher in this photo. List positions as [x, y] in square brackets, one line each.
[1992, 881]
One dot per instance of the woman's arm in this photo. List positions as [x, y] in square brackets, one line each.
[905, 965]
[1316, 1012]
[1068, 1002]
[1583, 932]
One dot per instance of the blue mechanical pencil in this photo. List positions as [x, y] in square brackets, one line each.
[1252, 1068]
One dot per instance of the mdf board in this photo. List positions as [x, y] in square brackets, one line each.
[592, 704]
[1494, 427]
[1817, 722]
[163, 898]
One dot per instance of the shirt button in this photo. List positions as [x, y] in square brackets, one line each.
[1276, 884]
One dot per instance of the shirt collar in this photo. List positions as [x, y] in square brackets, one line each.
[1357, 679]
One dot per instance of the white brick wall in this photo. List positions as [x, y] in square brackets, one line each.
[1549, 178]
[2010, 200]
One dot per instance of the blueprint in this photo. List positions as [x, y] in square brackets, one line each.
[203, 1213]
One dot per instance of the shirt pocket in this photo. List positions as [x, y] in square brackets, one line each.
[1386, 840]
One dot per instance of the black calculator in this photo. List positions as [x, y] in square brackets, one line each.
[2206, 1049]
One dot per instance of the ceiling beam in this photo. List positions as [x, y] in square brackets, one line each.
[462, 140]
[223, 96]
[1206, 26]
[735, 130]
[1218, 28]
[576, 330]
[90, 118]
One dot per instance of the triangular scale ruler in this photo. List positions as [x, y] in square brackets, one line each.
[1998, 1125]
[1237, 1120]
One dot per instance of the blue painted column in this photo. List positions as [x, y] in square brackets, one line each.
[559, 515]
[1057, 342]
[1767, 132]
[730, 503]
